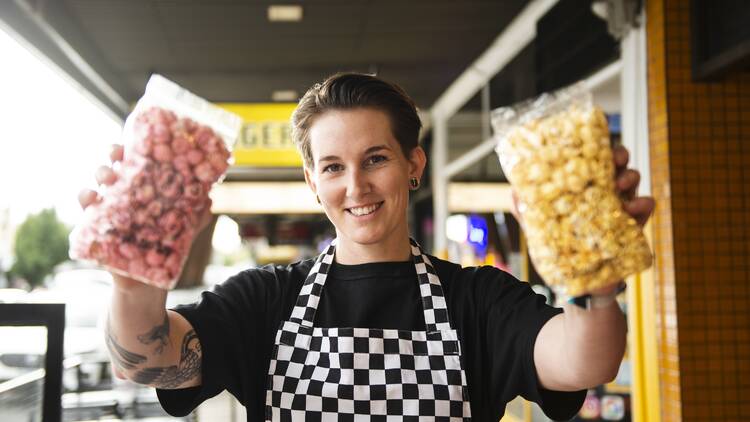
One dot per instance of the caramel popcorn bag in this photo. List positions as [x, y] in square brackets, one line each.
[556, 153]
[177, 145]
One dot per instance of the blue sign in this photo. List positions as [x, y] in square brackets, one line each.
[477, 235]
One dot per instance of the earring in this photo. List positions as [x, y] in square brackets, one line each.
[317, 198]
[414, 183]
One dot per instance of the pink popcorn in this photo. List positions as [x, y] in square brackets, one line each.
[205, 172]
[183, 204]
[159, 115]
[161, 133]
[195, 156]
[148, 234]
[172, 241]
[154, 209]
[137, 266]
[205, 204]
[189, 124]
[172, 221]
[183, 167]
[141, 217]
[187, 207]
[119, 205]
[154, 258]
[173, 263]
[152, 115]
[163, 153]
[145, 193]
[193, 218]
[180, 145]
[128, 250]
[119, 262]
[93, 250]
[170, 184]
[165, 175]
[160, 168]
[178, 129]
[219, 164]
[193, 192]
[203, 134]
[145, 224]
[139, 179]
[212, 145]
[169, 116]
[121, 220]
[143, 129]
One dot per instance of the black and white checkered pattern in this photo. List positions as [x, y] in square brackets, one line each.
[353, 374]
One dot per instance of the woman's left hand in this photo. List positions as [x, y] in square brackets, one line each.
[626, 185]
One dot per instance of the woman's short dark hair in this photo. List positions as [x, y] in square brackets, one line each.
[345, 91]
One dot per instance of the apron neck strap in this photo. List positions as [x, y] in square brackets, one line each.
[431, 291]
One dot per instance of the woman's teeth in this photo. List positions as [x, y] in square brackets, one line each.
[365, 210]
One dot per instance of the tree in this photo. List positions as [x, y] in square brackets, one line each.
[41, 243]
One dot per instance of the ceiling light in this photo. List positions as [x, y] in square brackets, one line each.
[285, 13]
[285, 95]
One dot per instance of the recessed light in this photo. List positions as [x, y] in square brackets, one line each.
[285, 13]
[284, 95]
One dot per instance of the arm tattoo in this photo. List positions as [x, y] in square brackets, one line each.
[123, 358]
[162, 377]
[159, 333]
[172, 376]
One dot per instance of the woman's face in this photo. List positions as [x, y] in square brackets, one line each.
[361, 175]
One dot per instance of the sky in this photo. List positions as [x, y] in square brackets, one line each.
[53, 137]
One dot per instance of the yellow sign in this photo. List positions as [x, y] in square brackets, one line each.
[265, 139]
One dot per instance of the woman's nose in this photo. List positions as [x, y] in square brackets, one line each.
[358, 184]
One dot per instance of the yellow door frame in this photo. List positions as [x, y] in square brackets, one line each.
[644, 390]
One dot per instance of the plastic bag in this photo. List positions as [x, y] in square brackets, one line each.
[556, 153]
[177, 145]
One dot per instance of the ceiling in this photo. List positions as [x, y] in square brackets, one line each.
[228, 51]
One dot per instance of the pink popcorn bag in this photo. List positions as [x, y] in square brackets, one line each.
[177, 145]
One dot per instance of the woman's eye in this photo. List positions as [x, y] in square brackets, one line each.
[331, 168]
[375, 159]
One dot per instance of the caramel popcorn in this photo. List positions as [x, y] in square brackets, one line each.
[561, 168]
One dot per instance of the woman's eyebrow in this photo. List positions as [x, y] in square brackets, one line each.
[367, 151]
[376, 148]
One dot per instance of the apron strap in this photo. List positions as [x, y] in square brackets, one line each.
[433, 300]
[309, 296]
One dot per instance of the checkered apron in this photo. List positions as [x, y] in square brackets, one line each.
[363, 374]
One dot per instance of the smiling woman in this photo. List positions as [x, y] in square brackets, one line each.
[361, 178]
[373, 327]
[358, 137]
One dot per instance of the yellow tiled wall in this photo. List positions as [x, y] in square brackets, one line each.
[700, 167]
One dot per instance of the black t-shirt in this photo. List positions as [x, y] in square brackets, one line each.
[497, 318]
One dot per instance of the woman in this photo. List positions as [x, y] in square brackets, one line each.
[373, 327]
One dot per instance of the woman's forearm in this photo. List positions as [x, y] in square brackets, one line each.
[594, 343]
[137, 330]
[148, 344]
